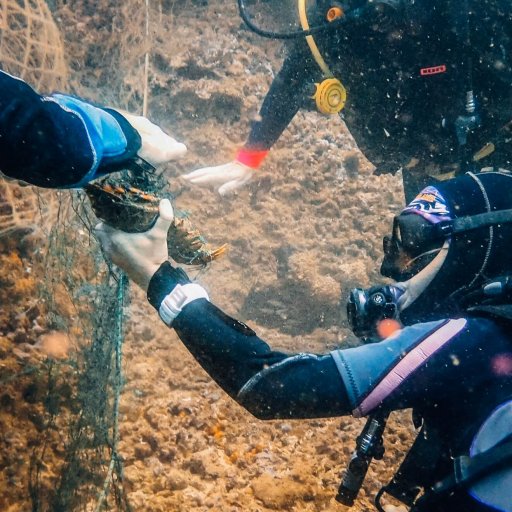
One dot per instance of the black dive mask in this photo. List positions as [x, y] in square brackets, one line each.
[473, 212]
[413, 244]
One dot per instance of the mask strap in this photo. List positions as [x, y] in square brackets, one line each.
[415, 286]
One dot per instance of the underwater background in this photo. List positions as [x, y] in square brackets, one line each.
[85, 425]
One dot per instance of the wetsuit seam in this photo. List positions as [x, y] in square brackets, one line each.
[353, 384]
[96, 161]
[266, 371]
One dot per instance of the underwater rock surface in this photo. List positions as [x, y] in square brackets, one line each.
[307, 230]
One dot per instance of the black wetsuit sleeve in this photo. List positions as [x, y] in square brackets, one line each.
[291, 90]
[268, 383]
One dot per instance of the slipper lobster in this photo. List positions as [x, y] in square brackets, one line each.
[132, 210]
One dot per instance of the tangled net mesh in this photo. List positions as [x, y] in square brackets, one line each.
[61, 336]
[61, 370]
[30, 43]
[74, 464]
[109, 35]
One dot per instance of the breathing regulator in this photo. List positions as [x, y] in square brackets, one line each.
[330, 95]
[291, 19]
[366, 309]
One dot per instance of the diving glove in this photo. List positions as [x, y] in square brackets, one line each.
[62, 141]
[144, 258]
[157, 147]
[231, 176]
[226, 178]
[118, 138]
[138, 254]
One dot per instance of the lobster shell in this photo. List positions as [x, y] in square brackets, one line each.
[134, 211]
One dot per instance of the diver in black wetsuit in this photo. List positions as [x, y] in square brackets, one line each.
[61, 141]
[449, 255]
[427, 86]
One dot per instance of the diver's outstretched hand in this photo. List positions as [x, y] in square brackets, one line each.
[225, 178]
[157, 146]
[138, 254]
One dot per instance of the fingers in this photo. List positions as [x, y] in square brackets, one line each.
[227, 177]
[165, 209]
[175, 149]
[233, 185]
[229, 187]
[157, 146]
[142, 124]
[107, 235]
[210, 176]
[102, 231]
[198, 173]
[99, 227]
[164, 220]
[160, 148]
[205, 176]
[163, 146]
[165, 217]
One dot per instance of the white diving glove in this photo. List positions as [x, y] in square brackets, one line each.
[157, 147]
[226, 178]
[138, 254]
[231, 176]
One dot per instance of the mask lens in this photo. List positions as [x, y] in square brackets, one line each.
[393, 244]
[411, 247]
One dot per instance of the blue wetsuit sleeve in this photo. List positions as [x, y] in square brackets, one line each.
[59, 141]
[424, 365]
[270, 384]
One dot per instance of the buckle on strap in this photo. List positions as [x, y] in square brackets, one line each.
[468, 470]
[406, 495]
[444, 229]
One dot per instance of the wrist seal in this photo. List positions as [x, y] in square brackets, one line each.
[182, 295]
[252, 158]
[170, 290]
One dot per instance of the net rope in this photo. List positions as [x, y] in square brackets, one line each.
[30, 43]
[84, 470]
[74, 462]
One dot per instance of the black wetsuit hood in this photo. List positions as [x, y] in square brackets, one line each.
[475, 256]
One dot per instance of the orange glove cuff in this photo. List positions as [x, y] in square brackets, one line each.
[251, 158]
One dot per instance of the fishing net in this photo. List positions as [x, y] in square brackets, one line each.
[61, 322]
[63, 314]
[61, 335]
[30, 43]
[107, 47]
[61, 342]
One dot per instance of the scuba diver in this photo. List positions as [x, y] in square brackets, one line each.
[423, 86]
[61, 141]
[450, 359]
